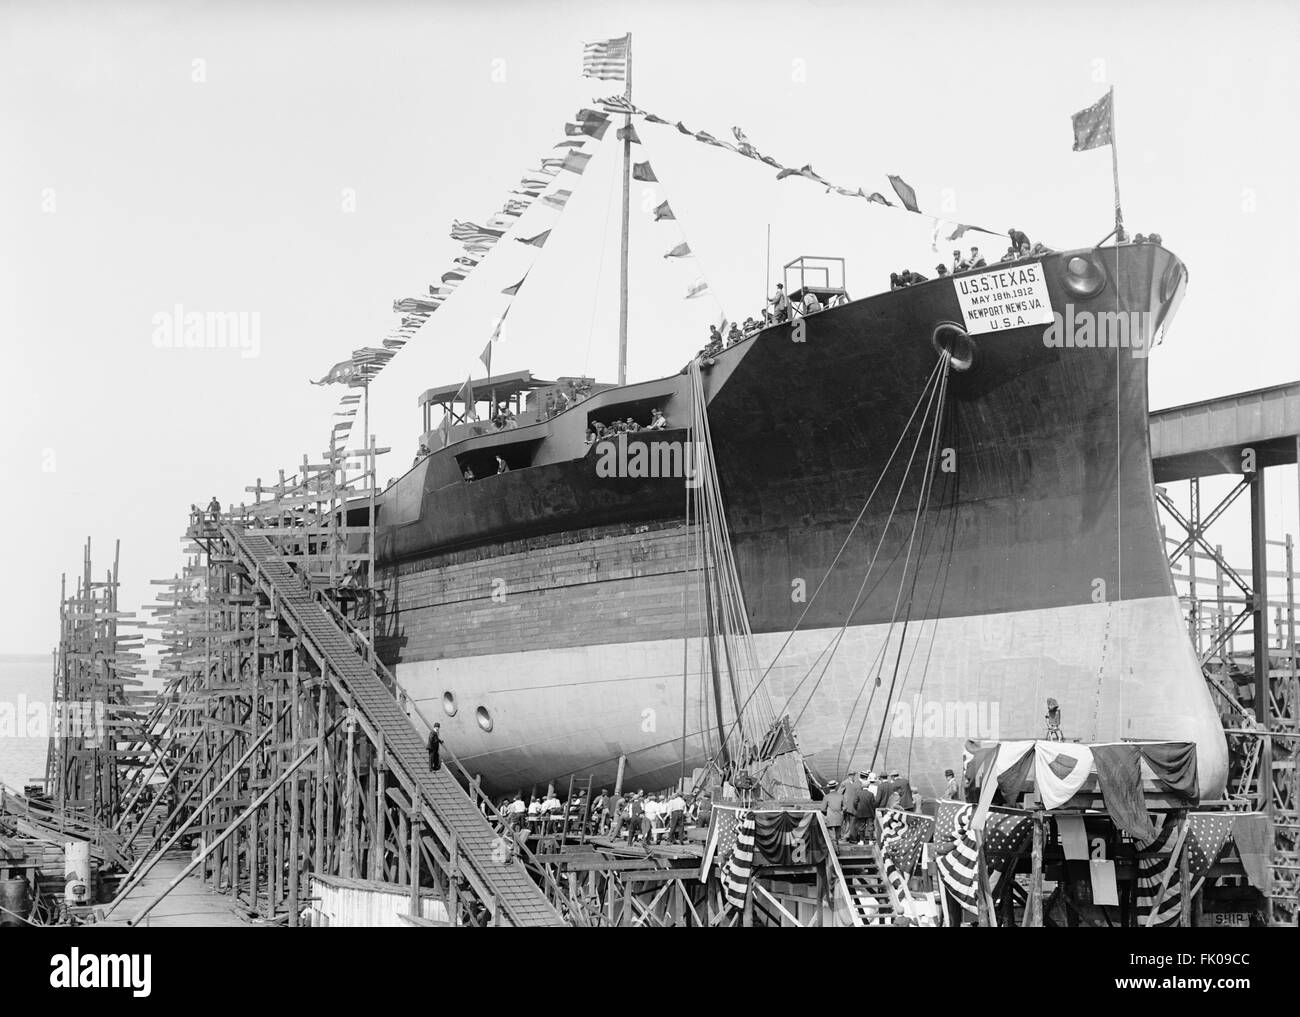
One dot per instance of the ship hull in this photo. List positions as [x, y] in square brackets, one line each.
[1028, 565]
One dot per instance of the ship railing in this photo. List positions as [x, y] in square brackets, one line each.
[559, 898]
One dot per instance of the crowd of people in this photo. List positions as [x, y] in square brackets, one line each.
[851, 804]
[635, 815]
[598, 429]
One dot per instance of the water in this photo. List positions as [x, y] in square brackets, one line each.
[24, 681]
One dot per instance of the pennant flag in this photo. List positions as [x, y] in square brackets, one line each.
[510, 291]
[586, 114]
[470, 233]
[496, 332]
[680, 251]
[662, 211]
[606, 60]
[467, 262]
[683, 129]
[570, 143]
[557, 200]
[628, 133]
[414, 304]
[594, 128]
[621, 104]
[740, 866]
[650, 118]
[1060, 770]
[961, 230]
[576, 162]
[486, 357]
[1093, 127]
[745, 148]
[452, 276]
[696, 288]
[343, 371]
[642, 171]
[466, 396]
[709, 139]
[516, 207]
[536, 241]
[905, 193]
[806, 171]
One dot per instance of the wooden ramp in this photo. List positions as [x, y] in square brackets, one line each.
[190, 905]
[464, 832]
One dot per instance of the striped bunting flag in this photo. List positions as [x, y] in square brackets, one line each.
[557, 200]
[1207, 836]
[468, 232]
[901, 836]
[606, 59]
[1004, 834]
[621, 104]
[740, 866]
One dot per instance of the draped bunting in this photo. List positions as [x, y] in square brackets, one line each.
[743, 147]
[788, 838]
[1119, 776]
[739, 867]
[1060, 771]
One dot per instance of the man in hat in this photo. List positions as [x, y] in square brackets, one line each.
[780, 304]
[635, 813]
[834, 809]
[1019, 242]
[977, 259]
[959, 264]
[850, 788]
[950, 790]
[676, 819]
[942, 269]
[864, 812]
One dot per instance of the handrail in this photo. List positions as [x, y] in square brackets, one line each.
[408, 704]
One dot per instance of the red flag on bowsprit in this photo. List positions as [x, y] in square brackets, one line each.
[1092, 126]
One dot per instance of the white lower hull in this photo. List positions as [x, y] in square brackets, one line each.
[1120, 671]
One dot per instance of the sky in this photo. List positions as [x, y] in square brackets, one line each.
[302, 162]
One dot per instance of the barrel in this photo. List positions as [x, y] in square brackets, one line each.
[15, 900]
[76, 872]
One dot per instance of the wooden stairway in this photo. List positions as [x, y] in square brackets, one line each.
[464, 832]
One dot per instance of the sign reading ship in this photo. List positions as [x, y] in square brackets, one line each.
[1004, 298]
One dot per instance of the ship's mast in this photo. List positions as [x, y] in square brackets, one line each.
[627, 201]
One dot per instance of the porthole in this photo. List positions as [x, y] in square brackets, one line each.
[449, 704]
[484, 718]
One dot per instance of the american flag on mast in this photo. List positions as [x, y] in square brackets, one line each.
[606, 60]
[1093, 126]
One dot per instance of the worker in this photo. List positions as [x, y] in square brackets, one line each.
[515, 811]
[468, 474]
[864, 813]
[850, 788]
[977, 259]
[834, 810]
[780, 304]
[959, 264]
[1019, 242]
[810, 304]
[635, 812]
[951, 791]
[676, 819]
[214, 508]
[435, 747]
[502, 466]
[657, 420]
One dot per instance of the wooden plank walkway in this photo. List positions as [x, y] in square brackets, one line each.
[190, 905]
[522, 901]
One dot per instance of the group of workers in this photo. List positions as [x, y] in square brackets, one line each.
[651, 818]
[598, 430]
